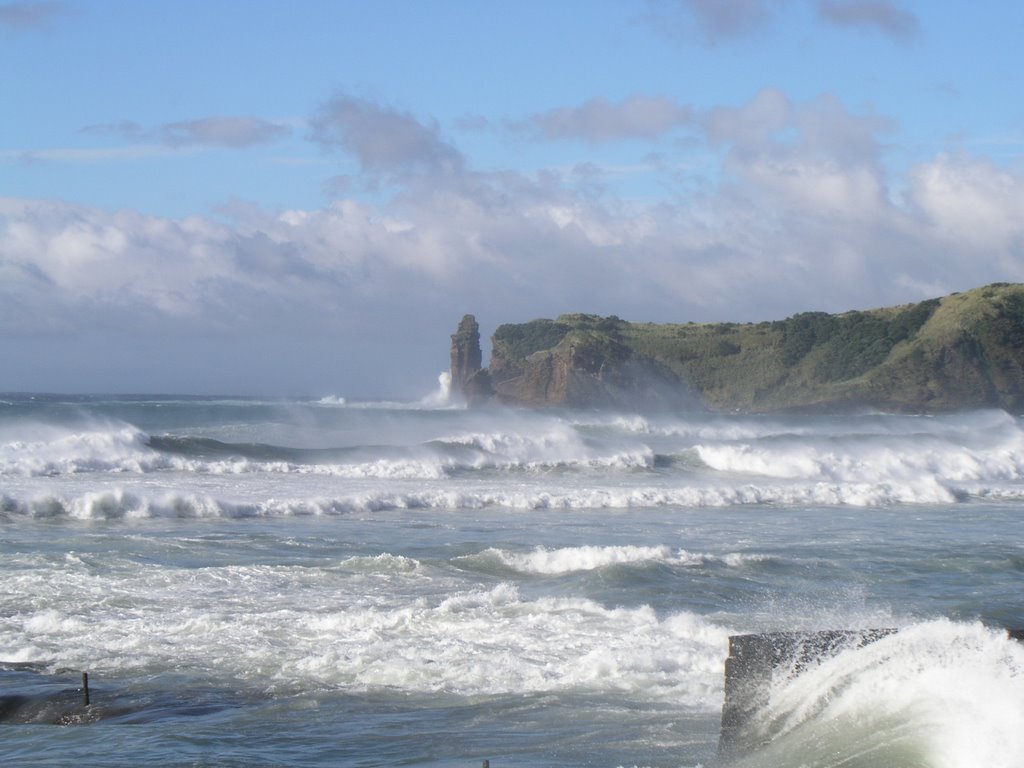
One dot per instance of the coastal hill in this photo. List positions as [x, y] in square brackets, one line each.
[961, 351]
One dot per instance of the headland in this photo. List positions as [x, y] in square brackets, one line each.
[961, 351]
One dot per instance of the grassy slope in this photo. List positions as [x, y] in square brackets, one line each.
[965, 350]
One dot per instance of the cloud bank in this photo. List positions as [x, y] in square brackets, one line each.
[878, 15]
[801, 215]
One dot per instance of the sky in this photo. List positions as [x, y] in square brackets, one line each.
[260, 197]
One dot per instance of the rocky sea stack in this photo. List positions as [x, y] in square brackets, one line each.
[961, 351]
[467, 376]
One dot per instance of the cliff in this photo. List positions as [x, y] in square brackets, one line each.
[965, 350]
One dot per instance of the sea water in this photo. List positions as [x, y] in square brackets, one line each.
[325, 583]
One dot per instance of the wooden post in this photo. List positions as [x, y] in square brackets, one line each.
[85, 689]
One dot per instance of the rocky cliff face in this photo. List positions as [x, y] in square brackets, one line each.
[962, 351]
[587, 369]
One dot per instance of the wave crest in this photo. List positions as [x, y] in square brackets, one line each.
[544, 561]
[49, 451]
[937, 693]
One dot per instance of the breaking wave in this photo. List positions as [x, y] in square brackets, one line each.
[542, 560]
[462, 460]
[127, 449]
[126, 503]
[335, 400]
[938, 694]
[52, 451]
[487, 641]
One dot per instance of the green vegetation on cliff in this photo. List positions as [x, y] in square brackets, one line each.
[517, 341]
[964, 350]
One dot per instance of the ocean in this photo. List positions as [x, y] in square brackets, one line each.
[319, 582]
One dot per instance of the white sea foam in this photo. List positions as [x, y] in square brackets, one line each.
[234, 623]
[569, 559]
[383, 563]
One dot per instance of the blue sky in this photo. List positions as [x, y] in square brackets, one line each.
[305, 197]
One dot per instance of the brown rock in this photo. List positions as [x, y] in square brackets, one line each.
[466, 357]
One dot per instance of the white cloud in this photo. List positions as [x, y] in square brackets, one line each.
[235, 132]
[715, 20]
[722, 21]
[816, 155]
[26, 15]
[970, 201]
[382, 139]
[120, 264]
[876, 15]
[86, 154]
[599, 120]
[170, 138]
